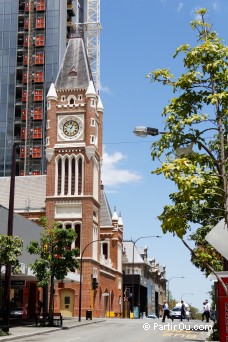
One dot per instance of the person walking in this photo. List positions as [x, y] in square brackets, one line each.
[203, 311]
[207, 310]
[183, 311]
[165, 311]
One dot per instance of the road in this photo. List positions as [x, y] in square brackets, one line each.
[127, 330]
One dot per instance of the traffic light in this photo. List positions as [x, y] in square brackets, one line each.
[94, 284]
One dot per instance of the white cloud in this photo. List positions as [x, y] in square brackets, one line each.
[180, 6]
[113, 175]
[105, 89]
[215, 6]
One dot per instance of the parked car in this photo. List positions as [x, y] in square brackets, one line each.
[176, 313]
[16, 313]
[152, 315]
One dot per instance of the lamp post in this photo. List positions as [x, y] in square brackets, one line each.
[186, 293]
[6, 308]
[80, 284]
[168, 285]
[133, 264]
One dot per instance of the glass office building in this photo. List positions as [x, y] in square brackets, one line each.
[33, 38]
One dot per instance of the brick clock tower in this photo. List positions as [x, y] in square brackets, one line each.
[73, 192]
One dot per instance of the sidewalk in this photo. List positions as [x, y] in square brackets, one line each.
[17, 332]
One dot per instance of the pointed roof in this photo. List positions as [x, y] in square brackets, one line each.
[106, 214]
[114, 215]
[120, 221]
[52, 95]
[91, 90]
[100, 107]
[74, 72]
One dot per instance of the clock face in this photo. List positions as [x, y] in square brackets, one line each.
[70, 128]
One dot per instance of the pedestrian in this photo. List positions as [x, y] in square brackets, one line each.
[165, 311]
[183, 311]
[203, 311]
[207, 310]
[39, 307]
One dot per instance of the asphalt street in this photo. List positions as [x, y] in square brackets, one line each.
[115, 330]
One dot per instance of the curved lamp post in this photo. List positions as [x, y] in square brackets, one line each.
[186, 293]
[133, 261]
[80, 284]
[168, 285]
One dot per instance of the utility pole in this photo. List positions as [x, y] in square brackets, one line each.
[6, 305]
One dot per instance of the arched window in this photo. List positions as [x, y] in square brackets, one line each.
[80, 176]
[73, 175]
[78, 239]
[66, 182]
[59, 176]
[69, 175]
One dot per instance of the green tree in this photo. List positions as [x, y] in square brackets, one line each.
[56, 257]
[196, 119]
[10, 249]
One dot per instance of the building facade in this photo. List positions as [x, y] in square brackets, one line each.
[144, 282]
[71, 191]
[33, 37]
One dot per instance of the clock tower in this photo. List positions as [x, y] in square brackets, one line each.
[74, 152]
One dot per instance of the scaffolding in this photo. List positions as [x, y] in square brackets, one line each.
[89, 30]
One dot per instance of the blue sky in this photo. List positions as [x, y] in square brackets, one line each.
[137, 37]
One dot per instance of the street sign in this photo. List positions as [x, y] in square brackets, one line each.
[218, 238]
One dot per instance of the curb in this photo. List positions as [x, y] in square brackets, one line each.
[17, 337]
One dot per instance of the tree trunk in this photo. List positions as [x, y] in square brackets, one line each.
[51, 302]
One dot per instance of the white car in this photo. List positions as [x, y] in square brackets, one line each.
[176, 313]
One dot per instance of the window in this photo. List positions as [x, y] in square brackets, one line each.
[40, 40]
[59, 175]
[39, 77]
[92, 122]
[38, 113]
[47, 141]
[92, 139]
[71, 100]
[77, 228]
[104, 250]
[36, 152]
[69, 175]
[80, 176]
[63, 98]
[66, 176]
[37, 133]
[38, 95]
[39, 58]
[40, 23]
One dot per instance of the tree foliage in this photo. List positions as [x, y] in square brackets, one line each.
[56, 257]
[193, 152]
[10, 249]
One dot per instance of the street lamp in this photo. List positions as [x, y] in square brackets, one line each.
[186, 293]
[133, 264]
[6, 308]
[168, 285]
[142, 131]
[80, 284]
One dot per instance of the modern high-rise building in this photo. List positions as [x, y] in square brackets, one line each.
[33, 36]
